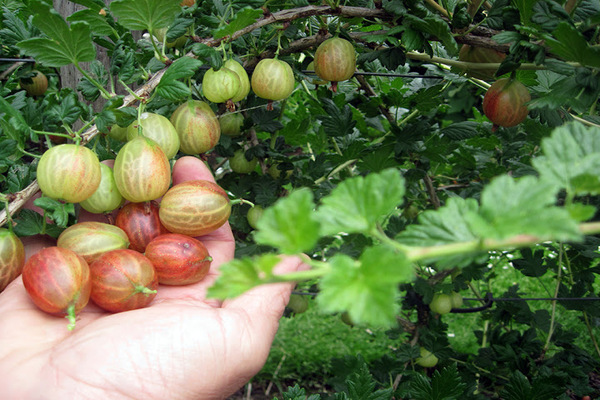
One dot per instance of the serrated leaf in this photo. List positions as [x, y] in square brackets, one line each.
[571, 158]
[244, 17]
[568, 43]
[581, 212]
[361, 386]
[290, 224]
[532, 263]
[358, 204]
[461, 130]
[29, 223]
[67, 111]
[97, 22]
[7, 148]
[239, 275]
[64, 45]
[297, 393]
[22, 126]
[209, 54]
[366, 288]
[19, 176]
[548, 14]
[337, 121]
[444, 385]
[267, 121]
[170, 86]
[525, 10]
[145, 14]
[95, 5]
[55, 210]
[436, 27]
[511, 207]
[390, 58]
[15, 29]
[446, 225]
[520, 388]
[122, 63]
[395, 7]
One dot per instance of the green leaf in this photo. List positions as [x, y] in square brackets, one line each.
[436, 27]
[170, 86]
[359, 203]
[581, 212]
[267, 121]
[520, 388]
[15, 30]
[361, 386]
[395, 7]
[241, 274]
[64, 45]
[95, 5]
[366, 288]
[98, 23]
[29, 223]
[525, 9]
[55, 210]
[568, 43]
[145, 14]
[445, 225]
[390, 58]
[244, 17]
[532, 262]
[290, 224]
[461, 130]
[571, 158]
[548, 14]
[19, 176]
[297, 393]
[209, 54]
[122, 63]
[511, 207]
[11, 112]
[336, 121]
[444, 385]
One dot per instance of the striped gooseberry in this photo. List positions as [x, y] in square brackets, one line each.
[194, 208]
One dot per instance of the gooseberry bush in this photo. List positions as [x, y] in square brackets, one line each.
[388, 158]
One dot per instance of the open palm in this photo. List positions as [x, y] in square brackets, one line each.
[182, 346]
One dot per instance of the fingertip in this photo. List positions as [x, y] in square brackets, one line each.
[290, 264]
[191, 168]
[269, 300]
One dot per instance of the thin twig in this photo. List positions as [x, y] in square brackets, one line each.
[431, 191]
[270, 386]
[10, 70]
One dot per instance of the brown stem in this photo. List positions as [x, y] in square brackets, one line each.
[10, 70]
[302, 12]
[431, 191]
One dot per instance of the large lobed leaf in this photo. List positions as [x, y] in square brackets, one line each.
[145, 14]
[358, 204]
[366, 288]
[64, 44]
[571, 159]
[170, 86]
[242, 274]
[525, 206]
[291, 224]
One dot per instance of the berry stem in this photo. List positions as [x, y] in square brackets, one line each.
[144, 290]
[71, 316]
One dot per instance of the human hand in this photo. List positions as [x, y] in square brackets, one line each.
[182, 346]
